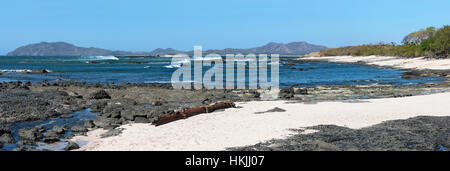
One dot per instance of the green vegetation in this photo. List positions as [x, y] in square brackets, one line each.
[429, 42]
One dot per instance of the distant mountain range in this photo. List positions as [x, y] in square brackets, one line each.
[66, 49]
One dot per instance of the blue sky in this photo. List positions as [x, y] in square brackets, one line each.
[143, 25]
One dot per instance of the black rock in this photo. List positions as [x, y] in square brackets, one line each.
[30, 135]
[302, 91]
[115, 114]
[287, 93]
[111, 133]
[59, 129]
[4, 130]
[127, 115]
[89, 124]
[141, 120]
[71, 146]
[102, 122]
[79, 128]
[102, 94]
[6, 139]
[157, 103]
[98, 106]
[51, 136]
[21, 148]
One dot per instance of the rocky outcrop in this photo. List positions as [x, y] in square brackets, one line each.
[102, 94]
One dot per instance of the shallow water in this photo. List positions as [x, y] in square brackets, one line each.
[78, 118]
[159, 70]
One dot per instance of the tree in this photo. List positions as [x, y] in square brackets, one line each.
[417, 37]
[440, 44]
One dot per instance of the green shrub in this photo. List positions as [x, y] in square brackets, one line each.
[440, 43]
[436, 45]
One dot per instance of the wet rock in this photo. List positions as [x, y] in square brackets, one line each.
[59, 129]
[30, 135]
[24, 105]
[131, 115]
[411, 75]
[19, 149]
[79, 129]
[287, 93]
[141, 120]
[6, 139]
[116, 114]
[43, 71]
[4, 130]
[51, 136]
[89, 124]
[40, 128]
[101, 94]
[98, 106]
[71, 146]
[301, 91]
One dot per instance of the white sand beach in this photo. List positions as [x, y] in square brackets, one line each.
[420, 63]
[241, 126]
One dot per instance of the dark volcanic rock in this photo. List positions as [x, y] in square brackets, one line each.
[419, 133]
[102, 94]
[111, 133]
[157, 103]
[141, 120]
[89, 124]
[98, 106]
[51, 136]
[24, 105]
[59, 129]
[102, 122]
[287, 93]
[30, 135]
[6, 139]
[71, 146]
[4, 130]
[302, 91]
[79, 128]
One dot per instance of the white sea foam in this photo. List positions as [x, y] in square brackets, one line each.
[100, 58]
[15, 70]
[173, 66]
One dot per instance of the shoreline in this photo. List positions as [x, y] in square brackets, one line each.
[416, 64]
[119, 106]
[238, 127]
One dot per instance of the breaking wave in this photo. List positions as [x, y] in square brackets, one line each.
[94, 58]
